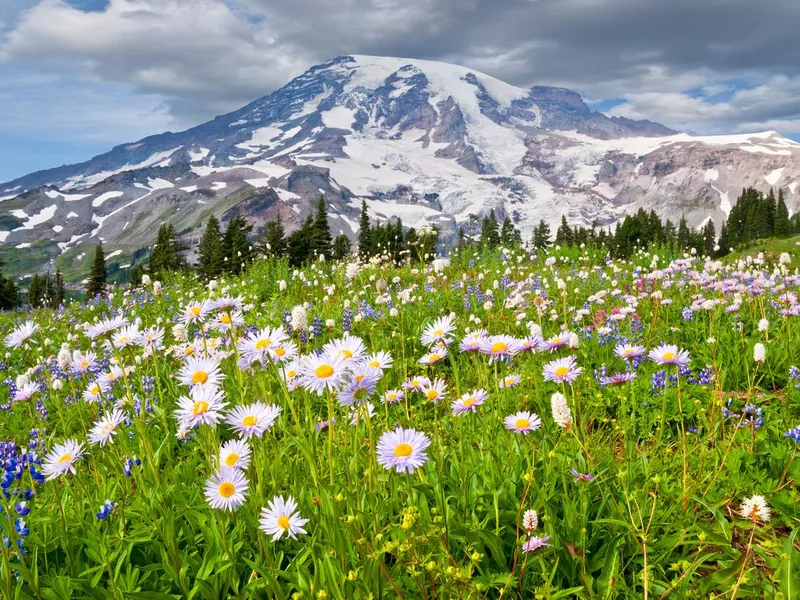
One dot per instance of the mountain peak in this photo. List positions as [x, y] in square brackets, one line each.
[428, 142]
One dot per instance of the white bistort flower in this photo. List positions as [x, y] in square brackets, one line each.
[756, 508]
[562, 414]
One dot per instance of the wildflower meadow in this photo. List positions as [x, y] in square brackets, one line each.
[499, 424]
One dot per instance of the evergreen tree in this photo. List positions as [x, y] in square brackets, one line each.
[97, 277]
[490, 235]
[274, 240]
[563, 233]
[341, 247]
[364, 233]
[684, 235]
[58, 296]
[299, 243]
[709, 238]
[136, 274]
[321, 238]
[167, 252]
[541, 235]
[782, 226]
[36, 291]
[210, 255]
[237, 251]
[509, 235]
[723, 243]
[9, 294]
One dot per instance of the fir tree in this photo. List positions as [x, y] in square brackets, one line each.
[274, 240]
[210, 256]
[341, 247]
[37, 290]
[684, 235]
[490, 236]
[321, 238]
[541, 235]
[782, 226]
[299, 243]
[9, 294]
[563, 233]
[237, 251]
[723, 243]
[167, 252]
[364, 232]
[709, 238]
[509, 235]
[58, 289]
[96, 285]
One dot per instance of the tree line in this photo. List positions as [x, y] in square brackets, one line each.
[754, 215]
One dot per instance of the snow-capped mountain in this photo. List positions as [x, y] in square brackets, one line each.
[428, 142]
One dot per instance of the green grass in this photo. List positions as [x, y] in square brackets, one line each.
[772, 249]
[670, 467]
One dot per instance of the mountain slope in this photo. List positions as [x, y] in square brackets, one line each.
[429, 142]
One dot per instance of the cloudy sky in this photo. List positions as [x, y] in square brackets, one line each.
[78, 76]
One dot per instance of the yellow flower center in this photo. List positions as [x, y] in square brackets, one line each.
[280, 351]
[65, 458]
[669, 356]
[499, 347]
[374, 364]
[124, 340]
[432, 394]
[391, 396]
[438, 333]
[195, 311]
[403, 450]
[522, 424]
[84, 364]
[434, 357]
[346, 353]
[470, 402]
[231, 459]
[250, 421]
[324, 371]
[262, 345]
[562, 371]
[225, 319]
[291, 373]
[226, 489]
[95, 389]
[199, 377]
[189, 350]
[200, 408]
[283, 522]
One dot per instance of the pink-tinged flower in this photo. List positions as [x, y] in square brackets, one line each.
[617, 379]
[581, 476]
[530, 520]
[629, 351]
[510, 381]
[472, 340]
[556, 342]
[435, 391]
[669, 354]
[416, 383]
[402, 450]
[21, 334]
[392, 396]
[435, 355]
[498, 346]
[469, 402]
[440, 331]
[562, 370]
[534, 543]
[522, 422]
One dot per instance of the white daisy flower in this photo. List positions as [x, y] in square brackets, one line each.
[253, 419]
[203, 407]
[235, 454]
[281, 517]
[61, 459]
[226, 489]
[105, 429]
